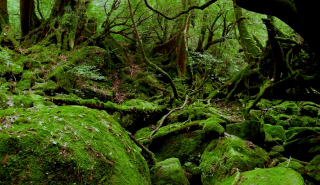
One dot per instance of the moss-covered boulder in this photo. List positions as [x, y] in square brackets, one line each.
[225, 155]
[185, 141]
[310, 110]
[168, 172]
[248, 130]
[295, 130]
[303, 145]
[3, 100]
[313, 168]
[214, 126]
[304, 121]
[284, 124]
[67, 144]
[266, 176]
[293, 165]
[288, 108]
[270, 119]
[274, 133]
[193, 112]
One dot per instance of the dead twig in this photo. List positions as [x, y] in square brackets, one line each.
[165, 116]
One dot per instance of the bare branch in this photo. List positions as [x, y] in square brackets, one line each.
[183, 12]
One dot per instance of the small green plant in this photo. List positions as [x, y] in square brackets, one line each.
[88, 72]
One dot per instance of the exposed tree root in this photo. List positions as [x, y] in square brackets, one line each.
[109, 106]
[165, 116]
[145, 58]
[151, 156]
[187, 128]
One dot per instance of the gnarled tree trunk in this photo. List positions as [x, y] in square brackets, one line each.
[4, 16]
[28, 18]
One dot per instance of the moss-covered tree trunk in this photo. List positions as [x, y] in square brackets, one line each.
[28, 18]
[6, 35]
[65, 27]
[4, 16]
[246, 40]
[181, 46]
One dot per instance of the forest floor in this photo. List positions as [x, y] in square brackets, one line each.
[92, 117]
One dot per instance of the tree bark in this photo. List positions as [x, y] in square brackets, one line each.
[181, 48]
[300, 15]
[4, 16]
[246, 39]
[28, 18]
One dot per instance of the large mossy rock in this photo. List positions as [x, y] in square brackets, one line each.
[225, 155]
[248, 130]
[313, 168]
[295, 130]
[310, 110]
[185, 141]
[195, 111]
[168, 172]
[288, 108]
[303, 145]
[304, 121]
[274, 133]
[68, 144]
[266, 176]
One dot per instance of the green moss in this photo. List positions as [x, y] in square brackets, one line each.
[313, 168]
[273, 155]
[49, 87]
[70, 144]
[186, 147]
[277, 148]
[16, 68]
[310, 111]
[267, 176]
[290, 108]
[303, 145]
[213, 124]
[295, 130]
[274, 133]
[270, 119]
[256, 113]
[225, 154]
[22, 101]
[143, 133]
[24, 85]
[28, 63]
[168, 172]
[3, 100]
[195, 111]
[248, 130]
[303, 121]
[293, 165]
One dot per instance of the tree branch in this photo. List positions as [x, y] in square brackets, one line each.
[146, 60]
[183, 12]
[165, 116]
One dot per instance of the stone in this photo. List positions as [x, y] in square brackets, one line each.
[266, 176]
[167, 172]
[226, 155]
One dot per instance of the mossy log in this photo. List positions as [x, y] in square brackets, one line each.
[109, 106]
